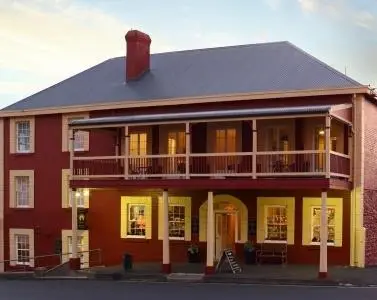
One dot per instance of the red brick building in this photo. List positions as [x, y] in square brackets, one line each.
[211, 147]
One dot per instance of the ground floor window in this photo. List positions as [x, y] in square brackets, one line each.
[80, 246]
[136, 220]
[136, 217]
[177, 221]
[316, 225]
[179, 218]
[276, 223]
[22, 249]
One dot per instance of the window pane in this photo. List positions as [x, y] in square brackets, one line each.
[22, 191]
[23, 136]
[276, 223]
[22, 249]
[316, 225]
[136, 220]
[176, 221]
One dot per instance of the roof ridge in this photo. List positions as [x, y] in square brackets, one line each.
[328, 67]
[220, 47]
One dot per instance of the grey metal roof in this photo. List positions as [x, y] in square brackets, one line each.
[203, 115]
[268, 67]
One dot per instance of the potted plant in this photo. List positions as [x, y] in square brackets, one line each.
[193, 254]
[249, 253]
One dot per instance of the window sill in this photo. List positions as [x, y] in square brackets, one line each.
[22, 208]
[22, 153]
[319, 244]
[274, 242]
[137, 239]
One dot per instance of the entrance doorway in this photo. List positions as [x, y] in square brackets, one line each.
[225, 231]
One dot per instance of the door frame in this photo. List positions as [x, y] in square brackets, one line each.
[236, 229]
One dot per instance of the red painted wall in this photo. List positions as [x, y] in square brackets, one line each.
[370, 183]
[104, 224]
[48, 218]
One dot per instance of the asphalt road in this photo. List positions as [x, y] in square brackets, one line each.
[99, 290]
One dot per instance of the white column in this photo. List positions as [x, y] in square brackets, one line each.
[188, 150]
[165, 242]
[210, 234]
[126, 151]
[255, 149]
[73, 195]
[327, 145]
[323, 236]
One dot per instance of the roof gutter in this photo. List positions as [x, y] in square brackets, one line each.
[188, 100]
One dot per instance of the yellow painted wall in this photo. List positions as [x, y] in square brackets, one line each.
[358, 232]
[184, 201]
[289, 203]
[219, 201]
[147, 201]
[307, 205]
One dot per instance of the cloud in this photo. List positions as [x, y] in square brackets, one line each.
[56, 39]
[341, 10]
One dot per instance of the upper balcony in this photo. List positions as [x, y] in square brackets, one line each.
[245, 143]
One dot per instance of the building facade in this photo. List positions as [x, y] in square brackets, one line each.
[155, 171]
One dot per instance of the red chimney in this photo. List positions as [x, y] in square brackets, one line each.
[138, 54]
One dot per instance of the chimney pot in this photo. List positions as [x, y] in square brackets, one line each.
[138, 54]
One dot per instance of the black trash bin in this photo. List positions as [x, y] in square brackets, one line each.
[127, 262]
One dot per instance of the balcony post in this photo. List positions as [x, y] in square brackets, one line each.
[327, 145]
[210, 235]
[188, 149]
[323, 237]
[74, 261]
[166, 266]
[126, 151]
[255, 148]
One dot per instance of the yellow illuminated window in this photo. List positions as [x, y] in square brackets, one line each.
[225, 140]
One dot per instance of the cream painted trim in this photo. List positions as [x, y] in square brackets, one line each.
[188, 100]
[1, 194]
[13, 134]
[12, 187]
[12, 245]
[65, 130]
[66, 233]
[66, 195]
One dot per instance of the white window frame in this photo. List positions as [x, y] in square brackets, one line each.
[80, 246]
[22, 188]
[266, 240]
[82, 197]
[26, 136]
[17, 236]
[79, 141]
[128, 208]
[312, 225]
[184, 222]
[13, 246]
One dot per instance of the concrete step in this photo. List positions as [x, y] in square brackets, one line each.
[186, 277]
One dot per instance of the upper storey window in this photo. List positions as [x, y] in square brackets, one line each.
[22, 135]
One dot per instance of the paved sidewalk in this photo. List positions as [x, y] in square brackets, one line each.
[263, 274]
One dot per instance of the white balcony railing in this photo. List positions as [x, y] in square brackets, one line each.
[213, 165]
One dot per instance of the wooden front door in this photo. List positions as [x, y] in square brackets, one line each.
[224, 232]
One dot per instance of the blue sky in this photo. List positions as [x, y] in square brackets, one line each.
[46, 41]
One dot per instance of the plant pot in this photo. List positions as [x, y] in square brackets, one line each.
[193, 257]
[249, 257]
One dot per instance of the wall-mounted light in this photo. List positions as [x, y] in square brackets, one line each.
[321, 132]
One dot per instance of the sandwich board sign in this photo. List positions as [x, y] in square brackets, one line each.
[228, 257]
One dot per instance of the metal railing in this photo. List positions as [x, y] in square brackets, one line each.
[238, 164]
[48, 261]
